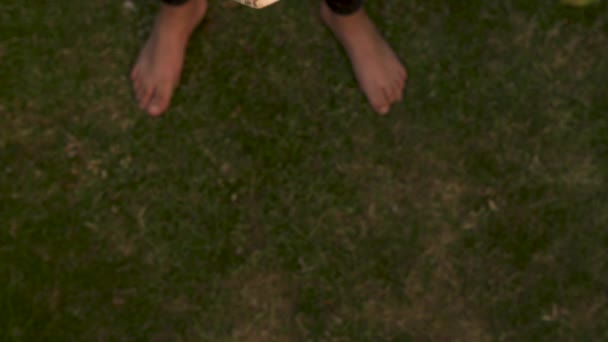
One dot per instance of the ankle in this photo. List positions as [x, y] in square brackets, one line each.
[332, 18]
[180, 21]
[187, 6]
[187, 14]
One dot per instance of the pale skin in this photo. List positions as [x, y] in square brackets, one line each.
[156, 73]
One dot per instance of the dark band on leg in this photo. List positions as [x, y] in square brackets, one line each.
[174, 2]
[344, 7]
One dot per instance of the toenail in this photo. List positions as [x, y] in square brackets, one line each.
[154, 110]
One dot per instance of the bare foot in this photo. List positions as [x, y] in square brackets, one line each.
[158, 68]
[380, 74]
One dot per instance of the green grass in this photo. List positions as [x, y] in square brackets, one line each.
[270, 203]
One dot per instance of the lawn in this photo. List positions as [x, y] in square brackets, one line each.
[271, 204]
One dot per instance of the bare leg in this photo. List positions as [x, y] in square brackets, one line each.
[380, 74]
[158, 68]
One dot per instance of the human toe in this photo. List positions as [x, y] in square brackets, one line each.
[158, 104]
[145, 96]
[134, 74]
